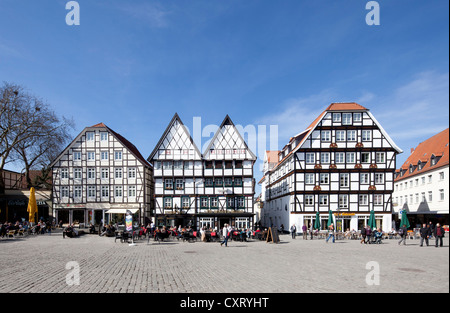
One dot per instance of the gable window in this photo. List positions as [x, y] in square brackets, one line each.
[326, 135]
[90, 136]
[91, 156]
[346, 118]
[104, 155]
[117, 155]
[118, 173]
[64, 173]
[103, 136]
[340, 135]
[337, 117]
[77, 173]
[77, 156]
[131, 172]
[366, 135]
[357, 117]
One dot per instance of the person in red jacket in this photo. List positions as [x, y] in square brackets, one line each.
[439, 233]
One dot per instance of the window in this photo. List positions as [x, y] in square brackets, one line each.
[167, 165]
[77, 173]
[406, 185]
[230, 203]
[326, 135]
[77, 156]
[380, 157]
[117, 155]
[441, 195]
[218, 182]
[379, 178]
[64, 192]
[118, 191]
[378, 199]
[417, 198]
[209, 182]
[168, 184]
[89, 136]
[105, 173]
[365, 157]
[103, 136]
[441, 176]
[324, 178]
[417, 182]
[91, 173]
[105, 191]
[77, 192]
[343, 180]
[423, 197]
[340, 157]
[204, 202]
[309, 200]
[118, 173]
[64, 173]
[241, 202]
[325, 157]
[357, 117]
[238, 181]
[218, 165]
[423, 180]
[228, 182]
[91, 156]
[323, 200]
[430, 179]
[310, 158]
[346, 118]
[185, 202]
[430, 196]
[131, 172]
[177, 165]
[179, 184]
[104, 155]
[366, 135]
[131, 191]
[214, 202]
[309, 178]
[351, 157]
[340, 135]
[91, 192]
[343, 201]
[351, 135]
[167, 202]
[411, 198]
[157, 165]
[337, 117]
[364, 178]
[363, 200]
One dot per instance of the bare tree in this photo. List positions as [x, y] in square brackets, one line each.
[29, 130]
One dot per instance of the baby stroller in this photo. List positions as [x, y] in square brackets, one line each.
[378, 237]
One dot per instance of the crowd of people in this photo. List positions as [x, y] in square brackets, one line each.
[23, 227]
[368, 235]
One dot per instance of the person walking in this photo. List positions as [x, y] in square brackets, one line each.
[225, 234]
[331, 233]
[363, 235]
[430, 224]
[425, 233]
[305, 232]
[293, 231]
[403, 232]
[368, 234]
[439, 234]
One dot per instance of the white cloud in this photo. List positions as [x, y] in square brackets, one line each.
[150, 13]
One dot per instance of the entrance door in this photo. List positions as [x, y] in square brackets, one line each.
[224, 221]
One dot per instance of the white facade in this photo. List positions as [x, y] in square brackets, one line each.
[100, 170]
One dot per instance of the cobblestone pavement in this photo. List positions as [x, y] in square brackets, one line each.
[38, 264]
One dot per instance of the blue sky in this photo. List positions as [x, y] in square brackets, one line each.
[133, 64]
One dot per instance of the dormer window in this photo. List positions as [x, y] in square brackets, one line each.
[433, 160]
[411, 168]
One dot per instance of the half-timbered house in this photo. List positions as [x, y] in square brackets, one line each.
[203, 190]
[99, 174]
[343, 162]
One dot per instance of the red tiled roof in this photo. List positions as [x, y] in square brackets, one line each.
[345, 106]
[436, 146]
[272, 156]
[99, 125]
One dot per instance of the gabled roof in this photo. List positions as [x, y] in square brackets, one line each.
[336, 106]
[132, 148]
[175, 119]
[433, 147]
[272, 156]
[227, 122]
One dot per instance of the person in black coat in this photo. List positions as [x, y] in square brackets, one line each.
[403, 233]
[425, 233]
[363, 235]
[439, 233]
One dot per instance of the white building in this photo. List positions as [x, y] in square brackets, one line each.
[100, 172]
[210, 189]
[421, 184]
[343, 162]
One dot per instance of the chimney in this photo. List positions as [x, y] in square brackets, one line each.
[412, 150]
